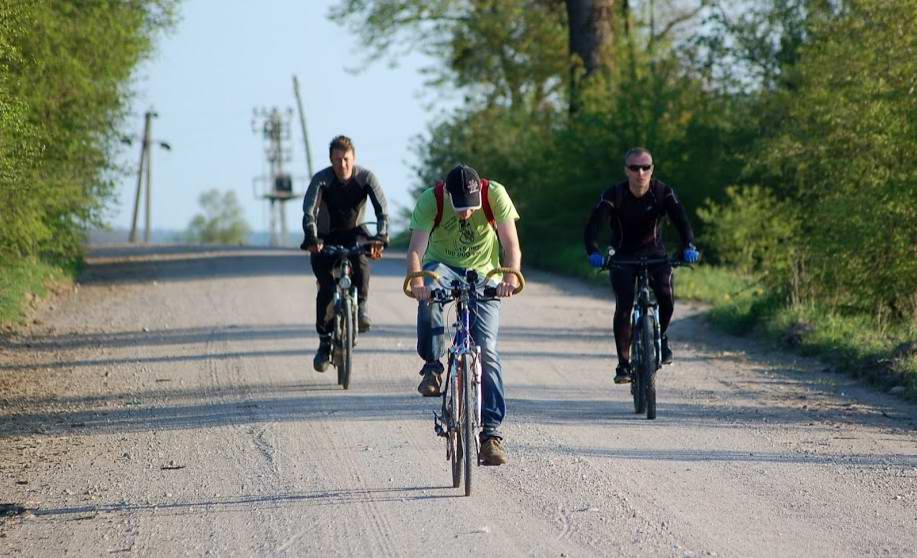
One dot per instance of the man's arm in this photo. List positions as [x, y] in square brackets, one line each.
[380, 206]
[601, 213]
[416, 250]
[679, 217]
[310, 205]
[511, 257]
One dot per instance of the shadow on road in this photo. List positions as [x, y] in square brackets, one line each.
[132, 264]
[336, 497]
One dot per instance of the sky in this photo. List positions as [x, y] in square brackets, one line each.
[227, 57]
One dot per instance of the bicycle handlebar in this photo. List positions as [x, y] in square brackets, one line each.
[489, 292]
[347, 251]
[617, 262]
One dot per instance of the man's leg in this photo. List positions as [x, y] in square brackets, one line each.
[484, 328]
[430, 335]
[662, 281]
[361, 280]
[622, 281]
[324, 313]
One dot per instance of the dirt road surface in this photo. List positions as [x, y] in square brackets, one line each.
[168, 407]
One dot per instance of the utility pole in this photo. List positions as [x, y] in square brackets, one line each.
[302, 122]
[145, 171]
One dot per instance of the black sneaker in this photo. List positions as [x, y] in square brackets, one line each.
[622, 374]
[492, 451]
[431, 382]
[322, 356]
[666, 351]
[363, 321]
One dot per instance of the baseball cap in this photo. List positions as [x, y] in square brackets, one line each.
[464, 187]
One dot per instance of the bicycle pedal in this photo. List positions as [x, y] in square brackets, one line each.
[438, 425]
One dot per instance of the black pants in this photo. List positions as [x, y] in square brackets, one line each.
[624, 282]
[322, 266]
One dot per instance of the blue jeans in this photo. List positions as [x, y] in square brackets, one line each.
[485, 321]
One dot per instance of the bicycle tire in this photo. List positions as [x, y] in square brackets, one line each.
[636, 377]
[346, 342]
[468, 412]
[453, 438]
[648, 366]
[336, 354]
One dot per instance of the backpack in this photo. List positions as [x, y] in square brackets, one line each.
[439, 191]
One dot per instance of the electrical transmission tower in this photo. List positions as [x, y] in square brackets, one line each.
[277, 186]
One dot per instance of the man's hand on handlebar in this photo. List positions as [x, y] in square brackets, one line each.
[506, 287]
[316, 248]
[421, 291]
[375, 249]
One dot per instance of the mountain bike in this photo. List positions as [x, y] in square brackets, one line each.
[646, 335]
[346, 308]
[460, 415]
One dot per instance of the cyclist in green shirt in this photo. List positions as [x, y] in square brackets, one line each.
[448, 237]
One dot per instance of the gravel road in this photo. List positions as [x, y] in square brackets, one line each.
[168, 406]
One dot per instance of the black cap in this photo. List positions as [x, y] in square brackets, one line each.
[464, 187]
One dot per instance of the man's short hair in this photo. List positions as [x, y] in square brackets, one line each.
[343, 143]
[636, 151]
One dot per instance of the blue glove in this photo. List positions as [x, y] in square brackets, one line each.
[596, 260]
[690, 254]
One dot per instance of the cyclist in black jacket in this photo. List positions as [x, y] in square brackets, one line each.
[634, 211]
[332, 208]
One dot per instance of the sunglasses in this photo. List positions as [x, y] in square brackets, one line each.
[635, 168]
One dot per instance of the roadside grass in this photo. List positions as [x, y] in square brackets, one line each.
[740, 305]
[26, 280]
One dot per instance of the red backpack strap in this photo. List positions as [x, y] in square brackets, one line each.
[438, 193]
[485, 199]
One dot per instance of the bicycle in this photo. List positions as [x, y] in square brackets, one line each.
[646, 336]
[460, 415]
[346, 308]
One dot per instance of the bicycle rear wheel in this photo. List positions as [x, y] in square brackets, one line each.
[648, 366]
[468, 411]
[347, 331]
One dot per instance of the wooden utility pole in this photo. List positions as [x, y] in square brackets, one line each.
[144, 170]
[302, 122]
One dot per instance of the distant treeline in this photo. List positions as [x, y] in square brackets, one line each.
[788, 127]
[65, 71]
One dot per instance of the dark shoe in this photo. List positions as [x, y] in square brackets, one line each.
[622, 374]
[432, 374]
[666, 351]
[492, 452]
[322, 356]
[363, 321]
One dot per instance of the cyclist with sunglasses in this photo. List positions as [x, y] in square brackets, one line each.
[634, 211]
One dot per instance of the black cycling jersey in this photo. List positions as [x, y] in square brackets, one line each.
[636, 224]
[331, 209]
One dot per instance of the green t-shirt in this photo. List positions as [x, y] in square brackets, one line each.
[472, 244]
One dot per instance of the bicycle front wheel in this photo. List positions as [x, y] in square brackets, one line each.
[450, 413]
[468, 414]
[347, 332]
[648, 365]
[636, 375]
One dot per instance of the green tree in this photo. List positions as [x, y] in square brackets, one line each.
[65, 71]
[221, 220]
[847, 156]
